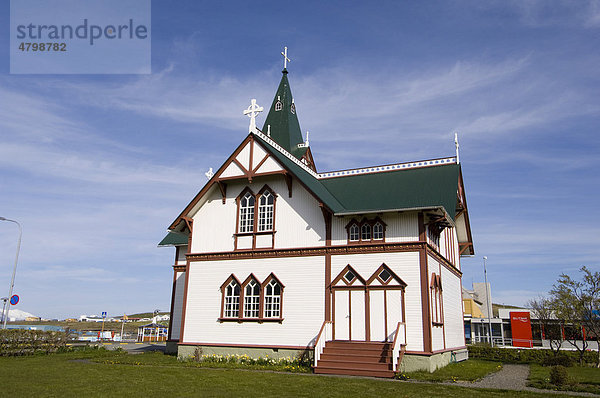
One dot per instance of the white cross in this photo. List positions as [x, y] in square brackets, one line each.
[456, 145]
[252, 112]
[285, 57]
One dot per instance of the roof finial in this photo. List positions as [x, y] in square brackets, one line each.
[285, 58]
[305, 144]
[209, 174]
[456, 144]
[252, 112]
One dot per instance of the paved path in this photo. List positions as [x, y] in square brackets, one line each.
[514, 377]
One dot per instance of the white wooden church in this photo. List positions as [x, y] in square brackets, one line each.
[359, 268]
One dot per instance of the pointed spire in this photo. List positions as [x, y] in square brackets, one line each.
[282, 119]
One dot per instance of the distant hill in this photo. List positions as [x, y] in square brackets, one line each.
[146, 315]
[18, 315]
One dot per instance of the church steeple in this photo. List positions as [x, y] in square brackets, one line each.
[282, 120]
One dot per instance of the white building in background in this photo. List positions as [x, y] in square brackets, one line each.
[274, 258]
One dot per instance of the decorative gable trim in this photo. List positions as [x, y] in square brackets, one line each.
[342, 281]
[393, 280]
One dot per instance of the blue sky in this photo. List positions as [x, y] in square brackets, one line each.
[96, 167]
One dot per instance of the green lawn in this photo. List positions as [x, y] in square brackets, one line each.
[469, 370]
[587, 378]
[91, 374]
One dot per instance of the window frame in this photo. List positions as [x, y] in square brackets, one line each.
[246, 283]
[437, 300]
[266, 282]
[256, 218]
[362, 224]
[241, 313]
[223, 289]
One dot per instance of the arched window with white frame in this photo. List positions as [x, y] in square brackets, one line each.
[378, 231]
[252, 299]
[231, 297]
[353, 234]
[266, 205]
[273, 292]
[246, 221]
[365, 232]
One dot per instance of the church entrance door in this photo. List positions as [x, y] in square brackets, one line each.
[349, 314]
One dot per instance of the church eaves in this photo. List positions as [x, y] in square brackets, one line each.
[282, 120]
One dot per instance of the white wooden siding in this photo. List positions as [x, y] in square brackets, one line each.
[233, 170]
[257, 155]
[268, 166]
[298, 220]
[401, 227]
[302, 305]
[244, 156]
[177, 305]
[453, 315]
[437, 332]
[406, 266]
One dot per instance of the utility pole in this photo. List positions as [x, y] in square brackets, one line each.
[488, 299]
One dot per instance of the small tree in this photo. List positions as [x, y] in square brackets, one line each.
[542, 308]
[577, 303]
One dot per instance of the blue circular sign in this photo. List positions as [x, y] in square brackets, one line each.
[14, 299]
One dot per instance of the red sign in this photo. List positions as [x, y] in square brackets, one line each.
[520, 324]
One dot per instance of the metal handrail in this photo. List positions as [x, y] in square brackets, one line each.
[398, 343]
[323, 336]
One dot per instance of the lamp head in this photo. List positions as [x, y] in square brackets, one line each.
[485, 257]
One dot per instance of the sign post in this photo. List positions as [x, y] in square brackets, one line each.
[103, 318]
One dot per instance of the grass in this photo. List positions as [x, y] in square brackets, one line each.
[89, 373]
[209, 361]
[470, 370]
[586, 379]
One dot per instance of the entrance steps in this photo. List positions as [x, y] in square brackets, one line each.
[357, 358]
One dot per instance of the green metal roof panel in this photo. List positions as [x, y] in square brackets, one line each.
[425, 187]
[404, 189]
[174, 239]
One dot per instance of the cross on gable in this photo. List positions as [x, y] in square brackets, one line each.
[285, 57]
[253, 111]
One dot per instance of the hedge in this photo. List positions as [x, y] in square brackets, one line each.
[539, 356]
[16, 342]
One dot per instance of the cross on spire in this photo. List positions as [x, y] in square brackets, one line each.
[252, 112]
[285, 58]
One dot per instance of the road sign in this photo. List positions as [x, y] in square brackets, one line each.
[103, 314]
[14, 299]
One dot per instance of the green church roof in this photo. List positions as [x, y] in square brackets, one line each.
[174, 239]
[425, 187]
[283, 120]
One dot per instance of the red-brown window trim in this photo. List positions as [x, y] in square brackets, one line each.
[261, 318]
[359, 224]
[437, 313]
[281, 288]
[250, 278]
[223, 289]
[255, 231]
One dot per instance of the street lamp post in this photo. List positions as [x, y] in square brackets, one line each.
[12, 280]
[488, 299]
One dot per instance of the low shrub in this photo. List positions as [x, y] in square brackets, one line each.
[539, 356]
[17, 342]
[561, 359]
[559, 376]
